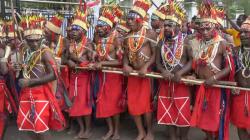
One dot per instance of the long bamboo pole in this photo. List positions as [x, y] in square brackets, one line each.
[188, 81]
[158, 75]
[154, 75]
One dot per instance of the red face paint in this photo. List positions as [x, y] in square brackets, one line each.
[139, 20]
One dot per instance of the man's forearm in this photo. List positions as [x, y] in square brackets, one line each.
[43, 80]
[223, 73]
[75, 59]
[187, 68]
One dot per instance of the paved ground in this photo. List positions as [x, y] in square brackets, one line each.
[128, 132]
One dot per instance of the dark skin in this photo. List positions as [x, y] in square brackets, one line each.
[44, 76]
[103, 32]
[177, 73]
[52, 43]
[148, 48]
[72, 60]
[194, 24]
[243, 82]
[49, 34]
[157, 23]
[204, 72]
[239, 22]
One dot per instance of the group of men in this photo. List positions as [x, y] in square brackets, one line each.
[67, 76]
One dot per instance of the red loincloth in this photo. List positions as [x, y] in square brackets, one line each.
[240, 110]
[110, 95]
[174, 104]
[139, 95]
[79, 94]
[6, 104]
[207, 116]
[39, 111]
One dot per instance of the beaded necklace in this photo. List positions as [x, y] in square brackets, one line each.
[31, 60]
[207, 51]
[79, 50]
[134, 43]
[245, 62]
[171, 55]
[104, 44]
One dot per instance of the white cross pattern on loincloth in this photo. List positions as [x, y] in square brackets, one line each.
[163, 101]
[27, 121]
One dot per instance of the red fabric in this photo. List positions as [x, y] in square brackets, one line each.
[39, 111]
[7, 102]
[110, 95]
[229, 63]
[65, 76]
[79, 94]
[84, 64]
[139, 95]
[174, 106]
[2, 106]
[207, 118]
[197, 114]
[57, 121]
[58, 94]
[239, 108]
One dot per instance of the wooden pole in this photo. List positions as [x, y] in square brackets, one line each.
[220, 84]
[158, 75]
[187, 81]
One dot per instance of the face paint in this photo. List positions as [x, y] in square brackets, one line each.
[207, 30]
[170, 29]
[102, 28]
[206, 25]
[75, 27]
[134, 16]
[101, 23]
[76, 32]
[170, 23]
